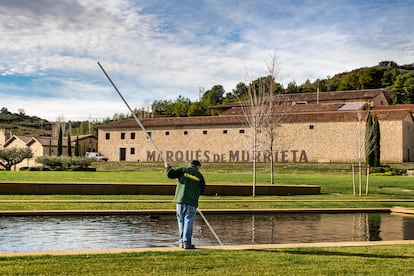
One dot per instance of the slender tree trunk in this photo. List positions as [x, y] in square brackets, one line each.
[272, 166]
[254, 157]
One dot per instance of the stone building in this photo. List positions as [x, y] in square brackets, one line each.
[311, 127]
[42, 145]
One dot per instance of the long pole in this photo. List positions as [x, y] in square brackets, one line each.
[153, 143]
[133, 114]
[209, 226]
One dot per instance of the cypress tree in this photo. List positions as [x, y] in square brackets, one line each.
[77, 149]
[370, 143]
[377, 137]
[59, 146]
[69, 146]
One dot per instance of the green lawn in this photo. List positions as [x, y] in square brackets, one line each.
[335, 181]
[374, 260]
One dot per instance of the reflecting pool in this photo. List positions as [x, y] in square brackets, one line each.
[39, 233]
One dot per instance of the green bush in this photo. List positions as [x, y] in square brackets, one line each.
[81, 169]
[386, 171]
[82, 162]
[63, 162]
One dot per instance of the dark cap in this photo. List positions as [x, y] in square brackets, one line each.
[196, 163]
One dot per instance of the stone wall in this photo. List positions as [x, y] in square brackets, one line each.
[408, 141]
[2, 137]
[294, 142]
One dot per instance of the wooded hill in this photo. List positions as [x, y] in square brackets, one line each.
[22, 124]
[398, 82]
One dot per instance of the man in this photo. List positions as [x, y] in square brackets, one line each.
[190, 186]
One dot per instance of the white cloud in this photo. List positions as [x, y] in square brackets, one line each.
[157, 49]
[71, 109]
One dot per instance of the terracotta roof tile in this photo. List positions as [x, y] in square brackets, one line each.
[332, 96]
[395, 107]
[237, 110]
[175, 122]
[288, 117]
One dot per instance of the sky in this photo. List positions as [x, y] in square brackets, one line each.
[161, 49]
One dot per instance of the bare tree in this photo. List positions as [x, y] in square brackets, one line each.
[258, 110]
[271, 123]
[365, 145]
[255, 108]
[60, 123]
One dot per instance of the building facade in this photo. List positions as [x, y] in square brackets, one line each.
[43, 145]
[329, 127]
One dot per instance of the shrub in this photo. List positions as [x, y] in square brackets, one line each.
[82, 162]
[62, 162]
[386, 171]
[80, 169]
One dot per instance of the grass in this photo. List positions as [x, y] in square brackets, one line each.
[335, 180]
[336, 186]
[378, 260]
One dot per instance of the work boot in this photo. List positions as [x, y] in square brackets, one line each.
[190, 246]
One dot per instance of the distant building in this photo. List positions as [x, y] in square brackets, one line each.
[46, 145]
[311, 127]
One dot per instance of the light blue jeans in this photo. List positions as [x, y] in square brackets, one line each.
[185, 218]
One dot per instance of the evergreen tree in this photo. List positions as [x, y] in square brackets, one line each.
[377, 149]
[369, 140]
[69, 146]
[59, 145]
[372, 141]
[77, 149]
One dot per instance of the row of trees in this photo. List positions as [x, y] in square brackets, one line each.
[398, 81]
[69, 145]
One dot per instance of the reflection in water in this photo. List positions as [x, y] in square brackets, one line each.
[40, 233]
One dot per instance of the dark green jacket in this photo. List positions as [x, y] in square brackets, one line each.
[190, 185]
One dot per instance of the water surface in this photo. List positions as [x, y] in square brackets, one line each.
[39, 233]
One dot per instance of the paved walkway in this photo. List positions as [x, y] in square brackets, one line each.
[210, 247]
[205, 211]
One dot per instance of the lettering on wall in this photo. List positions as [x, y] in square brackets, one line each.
[282, 156]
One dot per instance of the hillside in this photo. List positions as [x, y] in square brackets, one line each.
[398, 80]
[22, 124]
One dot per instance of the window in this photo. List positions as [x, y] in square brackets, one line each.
[149, 134]
[132, 151]
[204, 131]
[241, 131]
[107, 136]
[225, 131]
[185, 132]
[167, 133]
[122, 135]
[132, 135]
[311, 126]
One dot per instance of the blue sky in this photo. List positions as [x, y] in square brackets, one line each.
[158, 50]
